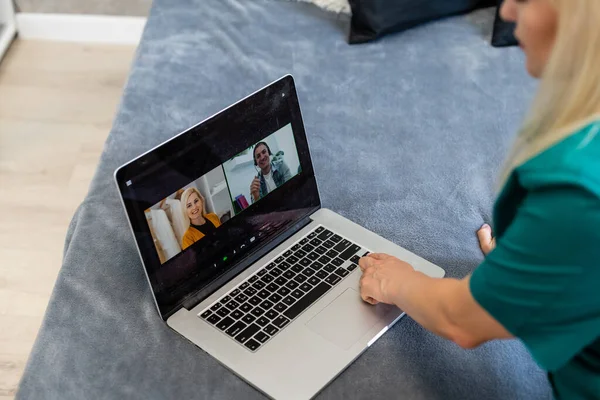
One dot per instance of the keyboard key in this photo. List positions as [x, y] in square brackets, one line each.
[313, 256]
[272, 287]
[232, 305]
[271, 266]
[331, 254]
[316, 266]
[315, 242]
[308, 248]
[313, 280]
[341, 272]
[280, 281]
[280, 307]
[289, 274]
[309, 272]
[324, 260]
[267, 278]
[303, 241]
[225, 299]
[236, 314]
[320, 250]
[300, 278]
[205, 314]
[263, 321]
[258, 285]
[225, 323]
[262, 272]
[300, 253]
[216, 306]
[329, 244]
[276, 272]
[266, 304]
[235, 328]
[337, 262]
[355, 259]
[297, 268]
[292, 284]
[312, 235]
[366, 253]
[305, 262]
[213, 319]
[250, 292]
[322, 274]
[333, 279]
[319, 229]
[296, 246]
[329, 268]
[335, 238]
[283, 291]
[326, 234]
[249, 318]
[271, 330]
[297, 293]
[253, 278]
[306, 287]
[352, 267]
[288, 253]
[263, 294]
[284, 266]
[245, 307]
[349, 252]
[271, 314]
[255, 301]
[261, 337]
[275, 298]
[292, 260]
[223, 312]
[244, 285]
[343, 245]
[280, 321]
[234, 293]
[247, 333]
[257, 311]
[252, 344]
[241, 298]
[307, 300]
[289, 300]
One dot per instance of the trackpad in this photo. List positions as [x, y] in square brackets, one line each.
[347, 319]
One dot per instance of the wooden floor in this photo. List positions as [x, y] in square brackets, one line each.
[57, 102]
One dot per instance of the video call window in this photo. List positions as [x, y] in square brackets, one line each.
[262, 168]
[197, 210]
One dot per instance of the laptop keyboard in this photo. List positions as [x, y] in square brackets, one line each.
[265, 303]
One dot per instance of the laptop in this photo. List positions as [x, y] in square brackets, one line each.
[243, 260]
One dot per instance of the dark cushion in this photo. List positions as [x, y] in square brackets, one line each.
[373, 18]
[503, 31]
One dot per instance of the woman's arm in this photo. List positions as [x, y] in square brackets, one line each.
[443, 306]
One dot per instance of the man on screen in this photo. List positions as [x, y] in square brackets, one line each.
[272, 173]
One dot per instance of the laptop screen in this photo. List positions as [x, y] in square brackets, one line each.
[206, 204]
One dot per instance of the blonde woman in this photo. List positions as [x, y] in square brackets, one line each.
[540, 281]
[201, 222]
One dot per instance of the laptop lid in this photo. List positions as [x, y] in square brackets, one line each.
[211, 201]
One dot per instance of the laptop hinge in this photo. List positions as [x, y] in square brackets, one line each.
[197, 297]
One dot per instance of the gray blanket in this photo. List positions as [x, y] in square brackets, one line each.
[407, 135]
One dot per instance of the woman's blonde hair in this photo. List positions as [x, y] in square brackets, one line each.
[186, 195]
[568, 96]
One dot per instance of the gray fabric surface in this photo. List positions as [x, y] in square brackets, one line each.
[407, 135]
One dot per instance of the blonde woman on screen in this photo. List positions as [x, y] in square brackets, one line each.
[201, 222]
[540, 279]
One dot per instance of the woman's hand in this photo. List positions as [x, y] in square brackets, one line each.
[486, 241]
[382, 274]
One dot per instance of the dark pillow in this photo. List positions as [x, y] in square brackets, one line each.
[374, 18]
[503, 31]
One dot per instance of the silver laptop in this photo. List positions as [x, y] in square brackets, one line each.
[242, 259]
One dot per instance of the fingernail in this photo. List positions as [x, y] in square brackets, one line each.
[485, 226]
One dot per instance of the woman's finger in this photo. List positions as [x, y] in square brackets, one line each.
[364, 263]
[379, 256]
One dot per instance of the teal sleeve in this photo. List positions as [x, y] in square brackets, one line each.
[542, 282]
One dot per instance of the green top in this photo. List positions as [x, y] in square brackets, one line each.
[542, 281]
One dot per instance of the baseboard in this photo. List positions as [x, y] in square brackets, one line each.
[7, 34]
[81, 28]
